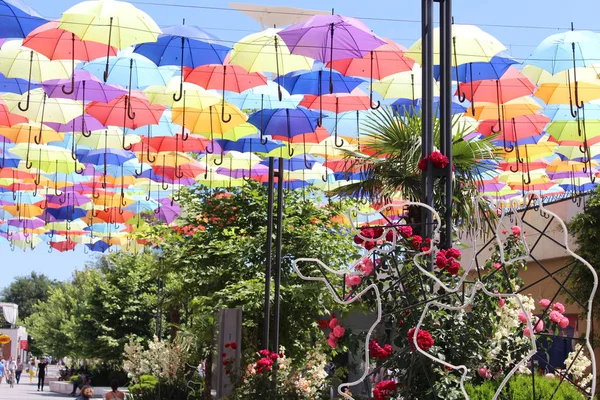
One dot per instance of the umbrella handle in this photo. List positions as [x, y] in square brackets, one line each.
[528, 180]
[85, 250]
[83, 132]
[141, 169]
[306, 164]
[125, 146]
[324, 178]
[176, 96]
[179, 174]
[331, 61]
[64, 90]
[335, 141]
[371, 87]
[266, 140]
[220, 159]
[28, 85]
[106, 71]
[130, 112]
[225, 120]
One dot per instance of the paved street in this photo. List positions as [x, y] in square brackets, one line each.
[25, 391]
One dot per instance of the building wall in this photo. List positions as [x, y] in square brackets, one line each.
[13, 349]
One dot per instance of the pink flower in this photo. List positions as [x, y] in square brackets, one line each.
[353, 280]
[556, 316]
[333, 322]
[497, 265]
[538, 326]
[504, 231]
[544, 302]
[558, 307]
[564, 322]
[332, 343]
[526, 332]
[339, 331]
[516, 230]
[485, 373]
[365, 266]
[522, 317]
[501, 302]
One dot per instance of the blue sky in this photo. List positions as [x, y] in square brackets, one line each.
[503, 19]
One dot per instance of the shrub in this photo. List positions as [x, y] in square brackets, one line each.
[520, 388]
[144, 390]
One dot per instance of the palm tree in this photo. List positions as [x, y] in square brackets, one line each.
[392, 151]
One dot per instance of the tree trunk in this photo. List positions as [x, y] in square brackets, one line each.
[208, 377]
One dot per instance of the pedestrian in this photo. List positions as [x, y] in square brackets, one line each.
[115, 394]
[86, 393]
[31, 369]
[11, 365]
[19, 370]
[42, 366]
[2, 368]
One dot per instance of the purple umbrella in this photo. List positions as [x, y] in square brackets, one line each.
[27, 223]
[82, 123]
[256, 170]
[168, 211]
[87, 87]
[69, 198]
[330, 37]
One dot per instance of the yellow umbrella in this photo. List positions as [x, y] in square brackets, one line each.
[195, 96]
[239, 132]
[286, 151]
[116, 23]
[233, 160]
[266, 52]
[46, 157]
[571, 130]
[20, 62]
[110, 138]
[43, 108]
[402, 85]
[537, 176]
[540, 76]
[328, 148]
[530, 152]
[213, 179]
[24, 210]
[208, 120]
[510, 109]
[30, 132]
[470, 44]
[170, 158]
[560, 93]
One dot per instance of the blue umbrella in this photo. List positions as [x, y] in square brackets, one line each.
[15, 85]
[292, 185]
[562, 112]
[347, 123]
[261, 97]
[478, 71]
[184, 46]
[282, 121]
[165, 127]
[67, 213]
[295, 163]
[17, 19]
[98, 246]
[249, 144]
[107, 156]
[143, 71]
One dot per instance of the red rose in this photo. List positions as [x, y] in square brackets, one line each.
[416, 241]
[439, 160]
[370, 245]
[389, 236]
[424, 339]
[406, 231]
[441, 261]
[233, 345]
[453, 267]
[384, 390]
[358, 240]
[423, 162]
[453, 253]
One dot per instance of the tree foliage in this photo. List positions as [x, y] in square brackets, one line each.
[26, 291]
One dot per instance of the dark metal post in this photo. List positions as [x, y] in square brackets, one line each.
[269, 253]
[446, 112]
[427, 108]
[159, 306]
[277, 276]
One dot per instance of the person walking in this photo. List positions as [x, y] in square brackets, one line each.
[115, 394]
[42, 367]
[2, 369]
[11, 366]
[19, 370]
[31, 369]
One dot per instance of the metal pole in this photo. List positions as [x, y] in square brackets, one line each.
[446, 111]
[159, 291]
[277, 276]
[269, 253]
[427, 108]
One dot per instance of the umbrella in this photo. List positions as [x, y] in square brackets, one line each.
[15, 85]
[195, 96]
[338, 102]
[330, 37]
[9, 119]
[478, 71]
[518, 128]
[215, 77]
[185, 47]
[508, 110]
[115, 23]
[85, 87]
[265, 96]
[21, 62]
[384, 61]
[17, 19]
[207, 120]
[404, 85]
[470, 45]
[27, 133]
[42, 108]
[266, 52]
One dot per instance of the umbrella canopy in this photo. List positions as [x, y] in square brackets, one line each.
[314, 82]
[17, 20]
[86, 88]
[43, 108]
[267, 52]
[232, 78]
[566, 50]
[118, 112]
[24, 63]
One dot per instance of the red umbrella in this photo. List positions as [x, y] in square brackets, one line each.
[9, 119]
[228, 77]
[178, 142]
[338, 102]
[115, 215]
[190, 170]
[58, 44]
[384, 61]
[518, 128]
[513, 84]
[66, 245]
[317, 136]
[129, 112]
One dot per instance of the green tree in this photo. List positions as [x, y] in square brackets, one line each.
[584, 227]
[389, 164]
[26, 291]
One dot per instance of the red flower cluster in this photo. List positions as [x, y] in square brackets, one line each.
[378, 352]
[437, 159]
[265, 363]
[187, 230]
[372, 235]
[424, 339]
[232, 345]
[447, 260]
[337, 332]
[384, 390]
[404, 230]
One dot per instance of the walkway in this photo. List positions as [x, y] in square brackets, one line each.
[25, 391]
